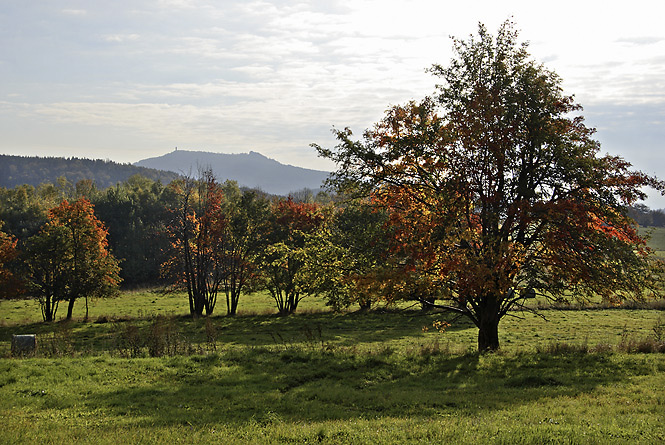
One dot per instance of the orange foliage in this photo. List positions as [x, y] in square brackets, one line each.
[10, 285]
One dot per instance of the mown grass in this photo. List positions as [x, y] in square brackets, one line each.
[311, 394]
[139, 370]
[384, 376]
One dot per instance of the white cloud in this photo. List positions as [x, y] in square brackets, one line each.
[640, 40]
[74, 12]
[121, 38]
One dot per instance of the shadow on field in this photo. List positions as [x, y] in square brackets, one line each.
[262, 386]
[348, 329]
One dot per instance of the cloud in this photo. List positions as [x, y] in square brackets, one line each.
[640, 40]
[74, 12]
[120, 38]
[275, 76]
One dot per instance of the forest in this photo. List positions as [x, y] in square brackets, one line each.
[19, 170]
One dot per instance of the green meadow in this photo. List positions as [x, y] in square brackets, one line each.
[657, 240]
[140, 371]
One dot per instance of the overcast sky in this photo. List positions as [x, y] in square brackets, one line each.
[130, 79]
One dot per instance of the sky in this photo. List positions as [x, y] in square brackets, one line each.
[127, 80]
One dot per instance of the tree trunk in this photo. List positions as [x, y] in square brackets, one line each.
[70, 308]
[235, 296]
[488, 332]
[48, 311]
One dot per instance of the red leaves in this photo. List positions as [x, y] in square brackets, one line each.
[298, 215]
[10, 285]
[79, 217]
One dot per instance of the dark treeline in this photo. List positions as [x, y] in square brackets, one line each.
[646, 217]
[136, 212]
[19, 170]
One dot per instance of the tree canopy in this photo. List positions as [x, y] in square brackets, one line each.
[69, 258]
[497, 191]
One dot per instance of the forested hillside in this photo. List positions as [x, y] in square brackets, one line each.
[18, 170]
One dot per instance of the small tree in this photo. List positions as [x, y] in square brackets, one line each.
[49, 263]
[195, 262]
[69, 259]
[283, 262]
[348, 255]
[497, 192]
[242, 241]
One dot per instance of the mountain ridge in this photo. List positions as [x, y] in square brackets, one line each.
[252, 169]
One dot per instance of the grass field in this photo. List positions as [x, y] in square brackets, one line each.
[657, 240]
[318, 377]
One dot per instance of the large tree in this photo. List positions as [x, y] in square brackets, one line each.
[497, 190]
[69, 259]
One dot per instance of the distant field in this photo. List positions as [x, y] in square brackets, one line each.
[657, 241]
[142, 304]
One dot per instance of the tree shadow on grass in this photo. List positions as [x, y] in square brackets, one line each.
[299, 385]
[350, 329]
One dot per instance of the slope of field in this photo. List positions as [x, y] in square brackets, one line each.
[657, 241]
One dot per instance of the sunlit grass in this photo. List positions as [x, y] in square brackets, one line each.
[311, 394]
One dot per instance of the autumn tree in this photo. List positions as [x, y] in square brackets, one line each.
[196, 231]
[10, 283]
[498, 192]
[283, 261]
[69, 259]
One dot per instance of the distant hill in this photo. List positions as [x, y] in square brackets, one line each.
[19, 170]
[249, 169]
